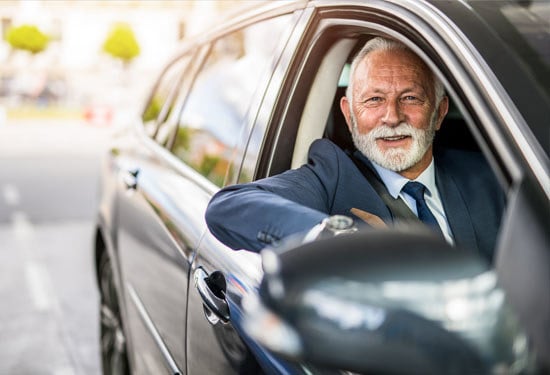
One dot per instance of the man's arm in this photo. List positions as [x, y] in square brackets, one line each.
[251, 216]
[246, 217]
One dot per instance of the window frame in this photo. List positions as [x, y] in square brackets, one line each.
[170, 99]
[487, 117]
[251, 115]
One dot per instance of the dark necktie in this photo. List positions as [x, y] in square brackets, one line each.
[416, 190]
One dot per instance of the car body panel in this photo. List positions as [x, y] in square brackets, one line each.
[151, 213]
[153, 245]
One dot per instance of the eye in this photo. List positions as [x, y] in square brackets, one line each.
[412, 99]
[373, 100]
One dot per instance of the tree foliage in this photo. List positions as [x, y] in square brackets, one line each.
[121, 43]
[27, 38]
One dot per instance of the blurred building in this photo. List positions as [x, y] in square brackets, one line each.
[73, 70]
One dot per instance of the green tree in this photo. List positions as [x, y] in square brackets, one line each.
[27, 38]
[121, 43]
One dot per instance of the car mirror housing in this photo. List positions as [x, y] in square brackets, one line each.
[385, 301]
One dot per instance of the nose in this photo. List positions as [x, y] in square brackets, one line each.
[393, 115]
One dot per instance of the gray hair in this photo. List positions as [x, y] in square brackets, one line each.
[383, 44]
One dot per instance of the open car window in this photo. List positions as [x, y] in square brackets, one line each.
[321, 117]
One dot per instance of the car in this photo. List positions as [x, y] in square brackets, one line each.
[245, 100]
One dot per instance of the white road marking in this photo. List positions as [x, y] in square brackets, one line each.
[39, 286]
[22, 226]
[11, 195]
[64, 371]
[36, 276]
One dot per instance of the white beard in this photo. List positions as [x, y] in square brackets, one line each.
[396, 159]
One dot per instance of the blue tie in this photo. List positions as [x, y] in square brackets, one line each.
[416, 190]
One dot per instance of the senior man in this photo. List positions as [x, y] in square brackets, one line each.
[393, 107]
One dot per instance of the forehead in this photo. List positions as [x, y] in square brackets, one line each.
[395, 68]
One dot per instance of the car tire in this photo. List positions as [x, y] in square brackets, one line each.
[114, 357]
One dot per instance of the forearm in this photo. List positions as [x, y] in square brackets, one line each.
[253, 215]
[251, 218]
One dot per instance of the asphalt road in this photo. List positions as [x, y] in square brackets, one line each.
[48, 193]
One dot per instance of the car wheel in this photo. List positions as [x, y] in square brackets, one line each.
[113, 341]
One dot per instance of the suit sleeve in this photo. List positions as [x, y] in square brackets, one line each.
[251, 216]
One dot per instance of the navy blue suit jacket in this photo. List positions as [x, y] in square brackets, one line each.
[249, 216]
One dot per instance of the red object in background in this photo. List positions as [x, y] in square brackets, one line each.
[98, 115]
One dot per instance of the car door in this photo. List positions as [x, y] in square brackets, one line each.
[157, 230]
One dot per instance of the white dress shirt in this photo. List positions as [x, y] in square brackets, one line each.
[394, 183]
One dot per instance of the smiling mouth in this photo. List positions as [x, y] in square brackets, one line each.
[394, 138]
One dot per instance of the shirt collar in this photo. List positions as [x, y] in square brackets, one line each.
[394, 181]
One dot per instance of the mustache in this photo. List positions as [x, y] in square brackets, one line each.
[401, 130]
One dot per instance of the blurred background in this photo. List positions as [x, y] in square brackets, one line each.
[72, 73]
[66, 57]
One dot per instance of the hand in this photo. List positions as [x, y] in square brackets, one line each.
[371, 219]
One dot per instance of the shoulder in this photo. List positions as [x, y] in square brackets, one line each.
[460, 160]
[324, 155]
[469, 169]
[324, 149]
[324, 144]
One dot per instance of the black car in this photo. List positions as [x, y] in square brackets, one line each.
[244, 101]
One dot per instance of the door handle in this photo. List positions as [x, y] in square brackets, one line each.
[130, 178]
[212, 291]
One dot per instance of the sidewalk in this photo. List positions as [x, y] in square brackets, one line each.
[65, 136]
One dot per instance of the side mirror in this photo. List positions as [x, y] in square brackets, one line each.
[385, 302]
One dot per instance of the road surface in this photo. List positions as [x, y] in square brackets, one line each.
[48, 186]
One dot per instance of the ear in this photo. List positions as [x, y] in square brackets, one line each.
[344, 107]
[442, 111]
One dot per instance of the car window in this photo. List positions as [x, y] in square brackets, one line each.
[161, 100]
[218, 105]
[311, 110]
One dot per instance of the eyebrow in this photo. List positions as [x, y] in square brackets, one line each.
[416, 88]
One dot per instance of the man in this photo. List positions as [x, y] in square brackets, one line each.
[393, 107]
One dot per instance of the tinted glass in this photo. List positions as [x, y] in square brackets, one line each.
[160, 102]
[218, 105]
[524, 26]
[532, 21]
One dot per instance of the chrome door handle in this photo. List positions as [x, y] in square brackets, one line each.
[213, 297]
[130, 178]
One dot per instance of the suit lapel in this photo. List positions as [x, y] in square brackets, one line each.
[456, 210]
[455, 206]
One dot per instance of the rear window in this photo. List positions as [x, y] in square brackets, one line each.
[524, 27]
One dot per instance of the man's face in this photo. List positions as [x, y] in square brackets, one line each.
[393, 116]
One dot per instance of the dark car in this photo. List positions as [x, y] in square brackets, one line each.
[244, 101]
